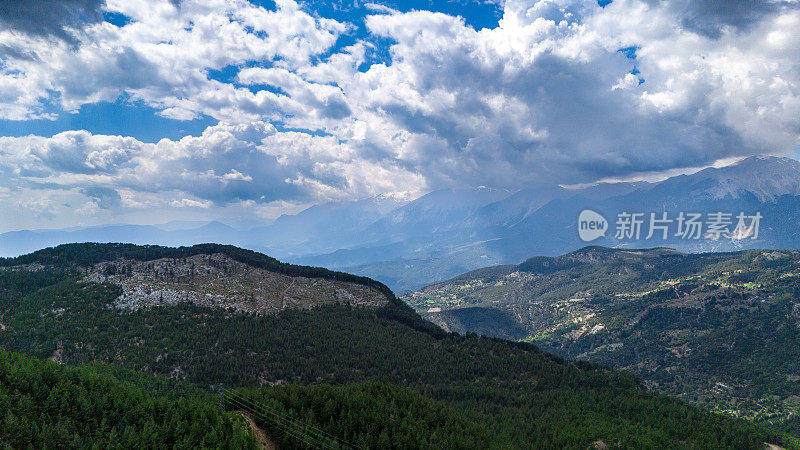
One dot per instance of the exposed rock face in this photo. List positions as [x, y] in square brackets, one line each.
[220, 282]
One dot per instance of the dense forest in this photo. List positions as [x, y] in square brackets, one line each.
[355, 375]
[45, 405]
[719, 329]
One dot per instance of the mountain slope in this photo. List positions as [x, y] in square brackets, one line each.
[722, 329]
[521, 395]
[50, 405]
[44, 405]
[765, 177]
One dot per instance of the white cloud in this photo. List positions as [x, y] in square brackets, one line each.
[229, 164]
[163, 57]
[556, 69]
[189, 203]
[546, 97]
[235, 175]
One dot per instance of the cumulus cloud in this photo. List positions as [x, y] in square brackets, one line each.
[50, 18]
[189, 203]
[539, 98]
[711, 17]
[104, 197]
[229, 164]
[163, 57]
[560, 92]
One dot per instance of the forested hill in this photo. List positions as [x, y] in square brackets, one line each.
[212, 275]
[88, 254]
[370, 374]
[719, 329]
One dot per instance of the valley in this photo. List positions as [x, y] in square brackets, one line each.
[718, 329]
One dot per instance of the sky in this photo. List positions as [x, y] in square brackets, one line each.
[146, 111]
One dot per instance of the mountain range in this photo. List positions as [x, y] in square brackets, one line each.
[719, 329]
[408, 245]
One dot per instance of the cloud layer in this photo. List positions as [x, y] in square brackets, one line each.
[312, 109]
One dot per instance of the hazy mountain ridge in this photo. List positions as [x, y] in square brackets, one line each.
[765, 177]
[448, 232]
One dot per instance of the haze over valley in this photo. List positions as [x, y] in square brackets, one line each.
[408, 245]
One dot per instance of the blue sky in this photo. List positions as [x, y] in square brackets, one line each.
[124, 116]
[143, 111]
[120, 117]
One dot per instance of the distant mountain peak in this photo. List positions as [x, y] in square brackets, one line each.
[766, 177]
[768, 158]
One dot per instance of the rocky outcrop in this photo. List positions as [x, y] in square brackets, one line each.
[217, 281]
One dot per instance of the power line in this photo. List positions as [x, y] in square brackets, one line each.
[311, 429]
[308, 430]
[295, 429]
[288, 430]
